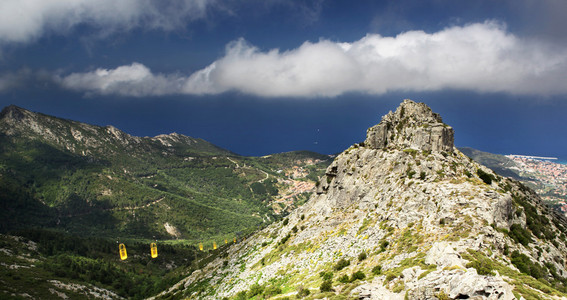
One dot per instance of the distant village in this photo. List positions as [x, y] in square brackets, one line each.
[548, 178]
[295, 185]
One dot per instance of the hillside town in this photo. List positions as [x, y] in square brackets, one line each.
[548, 178]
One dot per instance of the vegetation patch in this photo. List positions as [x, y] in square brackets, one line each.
[399, 286]
[341, 264]
[411, 152]
[525, 265]
[485, 177]
[358, 275]
[410, 240]
[536, 222]
[383, 245]
[377, 270]
[282, 250]
[365, 224]
[418, 260]
[519, 234]
[326, 275]
[326, 286]
[344, 279]
[524, 284]
[410, 173]
[303, 292]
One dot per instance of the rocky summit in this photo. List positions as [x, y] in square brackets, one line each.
[403, 215]
[412, 126]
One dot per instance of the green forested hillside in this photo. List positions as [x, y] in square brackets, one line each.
[92, 180]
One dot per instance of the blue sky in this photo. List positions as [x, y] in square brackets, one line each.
[258, 77]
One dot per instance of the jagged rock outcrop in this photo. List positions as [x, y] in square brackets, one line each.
[413, 125]
[413, 214]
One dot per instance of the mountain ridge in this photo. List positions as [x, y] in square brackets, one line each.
[15, 120]
[399, 217]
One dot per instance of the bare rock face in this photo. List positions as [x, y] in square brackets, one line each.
[413, 125]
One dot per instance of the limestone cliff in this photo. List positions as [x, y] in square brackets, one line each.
[404, 215]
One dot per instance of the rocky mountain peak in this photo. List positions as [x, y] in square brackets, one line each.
[15, 120]
[411, 217]
[12, 112]
[14, 116]
[413, 125]
[419, 112]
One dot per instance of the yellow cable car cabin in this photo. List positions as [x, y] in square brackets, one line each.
[123, 254]
[153, 250]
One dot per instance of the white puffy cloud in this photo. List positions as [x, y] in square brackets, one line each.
[133, 80]
[26, 20]
[481, 57]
